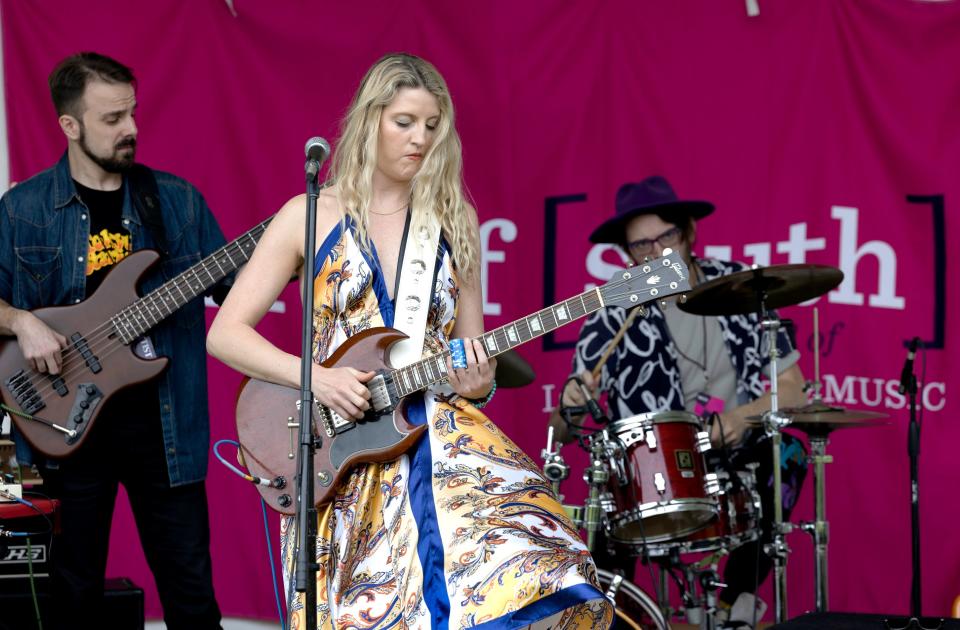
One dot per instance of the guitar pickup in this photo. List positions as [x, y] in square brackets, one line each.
[383, 394]
[80, 343]
[88, 398]
[59, 385]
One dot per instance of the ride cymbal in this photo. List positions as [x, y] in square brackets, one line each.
[776, 286]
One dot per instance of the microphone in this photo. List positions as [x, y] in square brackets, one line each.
[593, 408]
[317, 151]
[907, 371]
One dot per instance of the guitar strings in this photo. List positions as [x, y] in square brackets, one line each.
[104, 331]
[138, 312]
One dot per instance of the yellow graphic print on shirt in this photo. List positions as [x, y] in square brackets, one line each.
[106, 248]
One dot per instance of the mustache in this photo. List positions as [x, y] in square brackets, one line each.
[130, 142]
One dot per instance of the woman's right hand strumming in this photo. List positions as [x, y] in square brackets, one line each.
[343, 390]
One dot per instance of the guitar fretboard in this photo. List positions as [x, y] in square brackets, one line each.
[136, 319]
[433, 369]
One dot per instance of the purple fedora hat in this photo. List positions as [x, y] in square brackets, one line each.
[651, 196]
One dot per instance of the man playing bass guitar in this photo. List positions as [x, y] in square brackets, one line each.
[61, 231]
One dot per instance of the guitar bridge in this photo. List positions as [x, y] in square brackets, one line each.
[25, 393]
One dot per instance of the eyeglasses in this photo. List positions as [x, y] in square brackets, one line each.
[645, 245]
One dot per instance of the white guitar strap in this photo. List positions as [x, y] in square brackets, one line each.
[414, 291]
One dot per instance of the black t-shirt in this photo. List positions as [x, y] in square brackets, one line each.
[109, 244]
[109, 239]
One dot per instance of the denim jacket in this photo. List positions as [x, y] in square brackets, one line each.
[44, 232]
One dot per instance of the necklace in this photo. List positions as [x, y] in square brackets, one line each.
[387, 214]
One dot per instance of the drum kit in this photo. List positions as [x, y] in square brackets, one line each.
[653, 496]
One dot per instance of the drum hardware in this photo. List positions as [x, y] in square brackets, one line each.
[773, 423]
[555, 469]
[634, 609]
[817, 420]
[597, 477]
[759, 290]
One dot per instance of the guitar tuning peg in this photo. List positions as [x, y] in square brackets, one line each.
[683, 298]
[646, 259]
[667, 251]
[663, 304]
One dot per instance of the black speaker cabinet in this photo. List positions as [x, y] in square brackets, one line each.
[123, 605]
[856, 621]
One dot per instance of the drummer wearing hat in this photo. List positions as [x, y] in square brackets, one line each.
[672, 360]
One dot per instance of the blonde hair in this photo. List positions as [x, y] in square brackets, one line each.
[437, 187]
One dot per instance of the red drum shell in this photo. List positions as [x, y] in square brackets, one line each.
[664, 496]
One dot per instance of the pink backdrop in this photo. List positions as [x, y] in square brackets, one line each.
[809, 126]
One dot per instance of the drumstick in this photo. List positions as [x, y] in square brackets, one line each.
[595, 372]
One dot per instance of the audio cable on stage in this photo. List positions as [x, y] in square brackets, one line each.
[266, 526]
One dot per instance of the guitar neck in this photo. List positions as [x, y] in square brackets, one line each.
[136, 319]
[433, 369]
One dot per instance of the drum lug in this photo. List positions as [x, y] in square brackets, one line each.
[614, 588]
[703, 441]
[711, 484]
[660, 483]
[651, 440]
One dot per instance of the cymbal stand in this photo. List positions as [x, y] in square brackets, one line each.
[773, 422]
[819, 529]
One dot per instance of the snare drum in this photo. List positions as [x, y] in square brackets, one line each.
[663, 491]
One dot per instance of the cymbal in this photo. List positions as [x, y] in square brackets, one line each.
[779, 285]
[818, 417]
[513, 370]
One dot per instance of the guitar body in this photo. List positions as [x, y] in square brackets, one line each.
[120, 366]
[268, 428]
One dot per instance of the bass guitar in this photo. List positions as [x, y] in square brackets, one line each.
[55, 412]
[268, 414]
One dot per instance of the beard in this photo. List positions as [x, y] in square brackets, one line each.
[116, 163]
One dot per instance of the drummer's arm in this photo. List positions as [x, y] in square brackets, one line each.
[734, 422]
[571, 396]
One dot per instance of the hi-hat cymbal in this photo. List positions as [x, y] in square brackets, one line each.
[818, 417]
[513, 370]
[778, 285]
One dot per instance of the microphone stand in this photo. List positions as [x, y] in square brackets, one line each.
[306, 566]
[913, 451]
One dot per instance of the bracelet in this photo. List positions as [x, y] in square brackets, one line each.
[480, 403]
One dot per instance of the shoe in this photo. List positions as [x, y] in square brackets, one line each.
[742, 612]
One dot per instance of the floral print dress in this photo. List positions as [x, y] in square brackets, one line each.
[462, 531]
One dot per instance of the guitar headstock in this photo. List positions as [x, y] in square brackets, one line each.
[650, 280]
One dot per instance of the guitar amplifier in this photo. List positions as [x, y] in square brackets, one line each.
[18, 554]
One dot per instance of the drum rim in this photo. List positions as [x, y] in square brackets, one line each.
[660, 509]
[704, 545]
[657, 417]
[647, 602]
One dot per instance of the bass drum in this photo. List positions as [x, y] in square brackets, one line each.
[635, 610]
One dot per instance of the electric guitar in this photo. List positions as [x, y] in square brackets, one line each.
[55, 412]
[268, 414]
